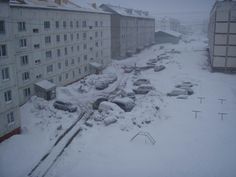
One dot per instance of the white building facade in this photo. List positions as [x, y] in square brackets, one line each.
[222, 36]
[46, 40]
[131, 30]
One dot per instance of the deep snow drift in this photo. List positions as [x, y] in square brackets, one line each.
[186, 144]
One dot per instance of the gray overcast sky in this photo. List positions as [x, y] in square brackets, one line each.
[185, 10]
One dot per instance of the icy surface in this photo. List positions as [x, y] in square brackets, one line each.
[187, 145]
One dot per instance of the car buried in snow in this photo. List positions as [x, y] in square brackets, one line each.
[65, 106]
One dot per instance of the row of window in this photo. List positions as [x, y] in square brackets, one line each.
[47, 25]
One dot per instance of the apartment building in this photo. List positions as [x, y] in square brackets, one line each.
[222, 36]
[131, 30]
[46, 40]
[9, 103]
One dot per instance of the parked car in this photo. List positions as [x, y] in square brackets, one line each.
[127, 104]
[98, 101]
[65, 106]
[143, 90]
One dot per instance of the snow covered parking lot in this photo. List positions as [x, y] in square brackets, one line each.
[195, 137]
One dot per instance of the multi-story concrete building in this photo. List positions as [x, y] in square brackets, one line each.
[46, 40]
[9, 104]
[131, 30]
[168, 24]
[222, 35]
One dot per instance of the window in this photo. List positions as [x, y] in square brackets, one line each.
[26, 92]
[96, 34]
[65, 51]
[57, 24]
[58, 52]
[3, 50]
[77, 47]
[23, 43]
[84, 24]
[85, 46]
[85, 57]
[59, 65]
[101, 23]
[77, 24]
[47, 25]
[73, 74]
[60, 78]
[58, 38]
[72, 61]
[101, 33]
[5, 74]
[77, 35]
[96, 44]
[84, 36]
[8, 96]
[10, 118]
[79, 71]
[25, 76]
[96, 23]
[66, 62]
[72, 49]
[38, 76]
[36, 46]
[37, 61]
[71, 24]
[35, 30]
[48, 54]
[2, 26]
[78, 59]
[71, 37]
[64, 24]
[50, 68]
[24, 60]
[65, 37]
[67, 75]
[85, 69]
[47, 39]
[21, 26]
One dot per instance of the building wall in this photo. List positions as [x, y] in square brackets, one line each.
[34, 52]
[131, 34]
[64, 61]
[9, 109]
[222, 36]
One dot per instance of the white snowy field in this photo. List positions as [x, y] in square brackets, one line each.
[186, 146]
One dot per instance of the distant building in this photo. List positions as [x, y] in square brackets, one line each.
[131, 30]
[168, 24]
[58, 41]
[222, 35]
[164, 36]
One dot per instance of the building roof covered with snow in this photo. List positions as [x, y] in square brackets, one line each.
[128, 12]
[55, 5]
[170, 32]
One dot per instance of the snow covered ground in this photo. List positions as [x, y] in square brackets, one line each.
[184, 145]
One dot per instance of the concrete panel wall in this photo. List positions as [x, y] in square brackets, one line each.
[231, 62]
[232, 51]
[233, 15]
[232, 39]
[222, 15]
[219, 62]
[233, 28]
[220, 50]
[221, 28]
[220, 39]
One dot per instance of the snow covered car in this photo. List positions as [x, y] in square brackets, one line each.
[159, 68]
[143, 90]
[98, 101]
[141, 82]
[101, 85]
[65, 106]
[127, 104]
